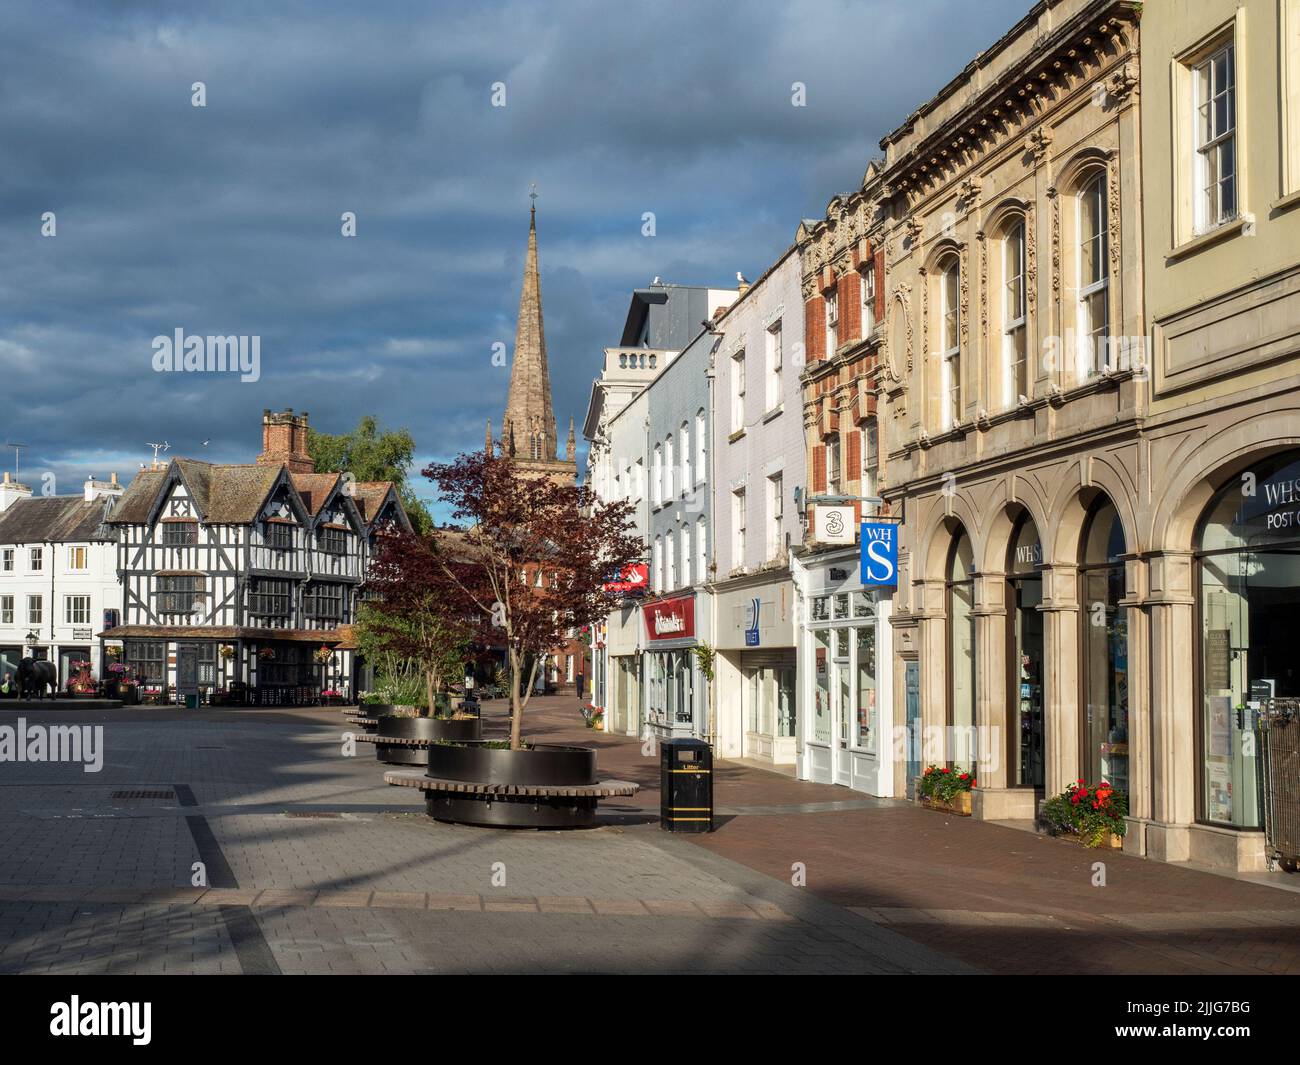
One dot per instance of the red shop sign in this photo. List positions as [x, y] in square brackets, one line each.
[670, 619]
[631, 580]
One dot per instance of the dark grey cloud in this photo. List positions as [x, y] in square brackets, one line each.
[225, 219]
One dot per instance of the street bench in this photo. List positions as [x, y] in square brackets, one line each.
[511, 805]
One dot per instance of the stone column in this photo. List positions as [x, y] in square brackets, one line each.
[1174, 776]
[1139, 703]
[1060, 608]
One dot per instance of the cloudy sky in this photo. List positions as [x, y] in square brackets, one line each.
[225, 219]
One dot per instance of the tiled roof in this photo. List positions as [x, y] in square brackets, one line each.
[314, 488]
[56, 519]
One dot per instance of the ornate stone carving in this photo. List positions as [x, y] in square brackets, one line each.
[1031, 260]
[1056, 243]
[967, 193]
[964, 311]
[1112, 212]
[984, 286]
[1123, 83]
[1039, 143]
[912, 226]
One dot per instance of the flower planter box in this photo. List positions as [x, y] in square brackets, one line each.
[960, 804]
[429, 730]
[1110, 841]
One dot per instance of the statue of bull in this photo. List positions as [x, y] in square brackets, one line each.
[33, 675]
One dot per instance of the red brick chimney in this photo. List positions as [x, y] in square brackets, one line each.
[284, 441]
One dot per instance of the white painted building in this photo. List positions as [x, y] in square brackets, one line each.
[758, 448]
[58, 575]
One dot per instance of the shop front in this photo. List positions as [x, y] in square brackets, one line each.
[756, 669]
[676, 692]
[844, 692]
[620, 672]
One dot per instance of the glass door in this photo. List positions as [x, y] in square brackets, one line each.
[842, 702]
[1027, 666]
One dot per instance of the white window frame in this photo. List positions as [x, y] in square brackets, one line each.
[6, 609]
[739, 516]
[1207, 160]
[950, 354]
[36, 559]
[7, 564]
[74, 552]
[702, 550]
[1091, 335]
[738, 391]
[657, 476]
[775, 515]
[687, 477]
[774, 357]
[670, 467]
[1014, 326]
[834, 465]
[685, 536]
[71, 616]
[35, 610]
[832, 300]
[701, 445]
[868, 289]
[658, 563]
[870, 457]
[670, 564]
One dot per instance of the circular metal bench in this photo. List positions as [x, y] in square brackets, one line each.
[511, 805]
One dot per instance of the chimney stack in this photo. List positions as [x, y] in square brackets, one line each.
[95, 489]
[284, 441]
[11, 491]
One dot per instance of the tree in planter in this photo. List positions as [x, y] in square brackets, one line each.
[531, 562]
[414, 620]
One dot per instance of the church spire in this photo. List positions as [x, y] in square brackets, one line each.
[529, 423]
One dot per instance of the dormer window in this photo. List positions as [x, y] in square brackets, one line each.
[183, 533]
[279, 535]
[333, 540]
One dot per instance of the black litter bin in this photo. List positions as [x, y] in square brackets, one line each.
[685, 786]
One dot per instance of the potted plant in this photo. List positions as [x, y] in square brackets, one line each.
[1089, 814]
[946, 788]
[526, 567]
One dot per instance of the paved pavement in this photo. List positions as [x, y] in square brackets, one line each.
[310, 864]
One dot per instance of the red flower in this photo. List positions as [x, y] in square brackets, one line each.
[972, 783]
[946, 769]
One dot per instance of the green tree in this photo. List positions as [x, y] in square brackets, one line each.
[372, 454]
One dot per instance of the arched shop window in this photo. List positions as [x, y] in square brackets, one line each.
[1027, 740]
[1104, 673]
[1248, 562]
[961, 650]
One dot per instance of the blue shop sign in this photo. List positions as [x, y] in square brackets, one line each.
[879, 546]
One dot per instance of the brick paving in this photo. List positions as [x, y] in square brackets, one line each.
[313, 865]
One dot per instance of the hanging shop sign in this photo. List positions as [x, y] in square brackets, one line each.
[670, 619]
[833, 525]
[631, 580]
[879, 554]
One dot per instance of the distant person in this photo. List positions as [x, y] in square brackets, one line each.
[7, 685]
[579, 680]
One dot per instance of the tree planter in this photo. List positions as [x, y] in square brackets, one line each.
[483, 781]
[960, 804]
[431, 730]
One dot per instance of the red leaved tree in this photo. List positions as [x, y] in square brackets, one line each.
[414, 616]
[531, 559]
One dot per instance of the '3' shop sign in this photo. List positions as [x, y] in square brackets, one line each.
[879, 542]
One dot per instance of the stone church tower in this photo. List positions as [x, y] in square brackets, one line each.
[528, 431]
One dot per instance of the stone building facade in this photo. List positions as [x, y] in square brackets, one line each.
[1017, 387]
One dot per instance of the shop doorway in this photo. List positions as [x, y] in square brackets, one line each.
[1025, 713]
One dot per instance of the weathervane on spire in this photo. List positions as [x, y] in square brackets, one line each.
[532, 195]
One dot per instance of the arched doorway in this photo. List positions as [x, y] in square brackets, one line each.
[1248, 584]
[1104, 665]
[960, 599]
[1026, 739]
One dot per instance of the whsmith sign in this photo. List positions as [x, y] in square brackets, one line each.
[879, 542]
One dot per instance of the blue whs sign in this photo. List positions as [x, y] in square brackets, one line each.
[879, 542]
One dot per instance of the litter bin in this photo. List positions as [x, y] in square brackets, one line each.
[191, 700]
[685, 786]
